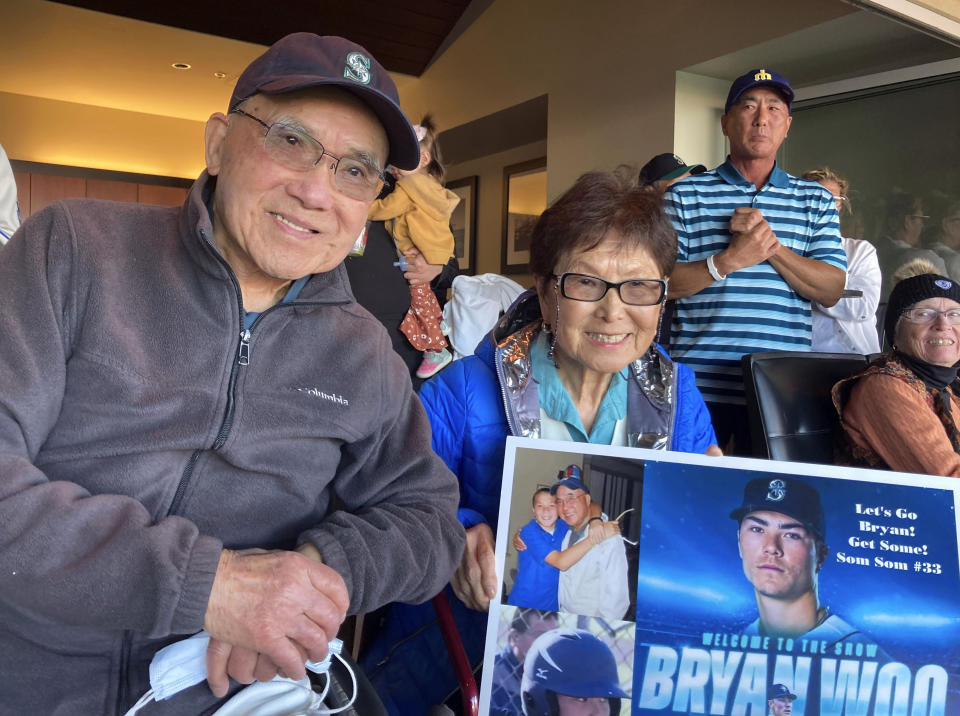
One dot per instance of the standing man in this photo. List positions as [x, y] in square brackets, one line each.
[595, 586]
[200, 429]
[755, 247]
[666, 169]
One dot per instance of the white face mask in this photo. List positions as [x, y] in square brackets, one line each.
[184, 663]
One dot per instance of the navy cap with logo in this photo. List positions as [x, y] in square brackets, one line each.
[667, 166]
[307, 60]
[779, 691]
[787, 496]
[571, 483]
[757, 78]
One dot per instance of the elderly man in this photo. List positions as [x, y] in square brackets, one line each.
[200, 429]
[596, 586]
[755, 247]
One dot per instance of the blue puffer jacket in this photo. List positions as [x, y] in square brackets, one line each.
[465, 403]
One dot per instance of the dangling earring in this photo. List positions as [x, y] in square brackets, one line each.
[657, 335]
[551, 354]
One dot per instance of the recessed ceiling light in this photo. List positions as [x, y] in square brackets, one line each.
[180, 66]
[220, 75]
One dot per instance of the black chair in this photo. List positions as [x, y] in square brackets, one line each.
[789, 408]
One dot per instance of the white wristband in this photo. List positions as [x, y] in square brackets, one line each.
[712, 268]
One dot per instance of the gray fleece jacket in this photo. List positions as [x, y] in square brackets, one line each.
[141, 432]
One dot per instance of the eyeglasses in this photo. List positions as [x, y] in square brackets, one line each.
[297, 150]
[569, 499]
[633, 292]
[926, 316]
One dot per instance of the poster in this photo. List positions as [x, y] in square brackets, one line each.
[756, 587]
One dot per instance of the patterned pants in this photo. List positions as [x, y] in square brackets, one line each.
[421, 325]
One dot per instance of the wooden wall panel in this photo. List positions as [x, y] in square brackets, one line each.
[161, 195]
[47, 188]
[23, 193]
[111, 190]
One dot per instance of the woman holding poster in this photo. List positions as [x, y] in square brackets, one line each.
[573, 359]
[901, 413]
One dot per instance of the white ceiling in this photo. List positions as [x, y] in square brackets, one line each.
[857, 44]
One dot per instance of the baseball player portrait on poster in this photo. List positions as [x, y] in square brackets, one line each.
[845, 592]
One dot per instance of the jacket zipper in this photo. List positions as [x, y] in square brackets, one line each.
[507, 407]
[122, 686]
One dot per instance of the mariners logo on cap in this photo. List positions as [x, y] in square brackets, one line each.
[762, 75]
[776, 490]
[942, 283]
[358, 68]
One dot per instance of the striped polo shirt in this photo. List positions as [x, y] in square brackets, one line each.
[754, 309]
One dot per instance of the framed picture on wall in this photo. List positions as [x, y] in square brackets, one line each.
[524, 199]
[463, 222]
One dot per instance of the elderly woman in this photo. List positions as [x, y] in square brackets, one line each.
[901, 413]
[573, 359]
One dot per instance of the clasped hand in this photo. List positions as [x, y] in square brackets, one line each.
[753, 240]
[269, 613]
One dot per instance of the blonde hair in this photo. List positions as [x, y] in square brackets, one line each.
[914, 267]
[822, 174]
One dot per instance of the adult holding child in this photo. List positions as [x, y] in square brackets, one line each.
[417, 216]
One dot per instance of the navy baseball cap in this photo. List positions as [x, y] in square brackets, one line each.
[757, 78]
[307, 60]
[787, 496]
[779, 691]
[571, 483]
[667, 166]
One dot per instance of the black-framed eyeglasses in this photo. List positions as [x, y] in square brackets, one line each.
[633, 292]
[297, 150]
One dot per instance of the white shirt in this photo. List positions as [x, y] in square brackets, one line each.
[850, 326]
[9, 213]
[596, 586]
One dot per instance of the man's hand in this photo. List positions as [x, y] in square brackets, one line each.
[275, 610]
[600, 530]
[753, 241]
[418, 271]
[236, 662]
[475, 582]
[518, 543]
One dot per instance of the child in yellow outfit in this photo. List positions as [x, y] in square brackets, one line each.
[417, 215]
